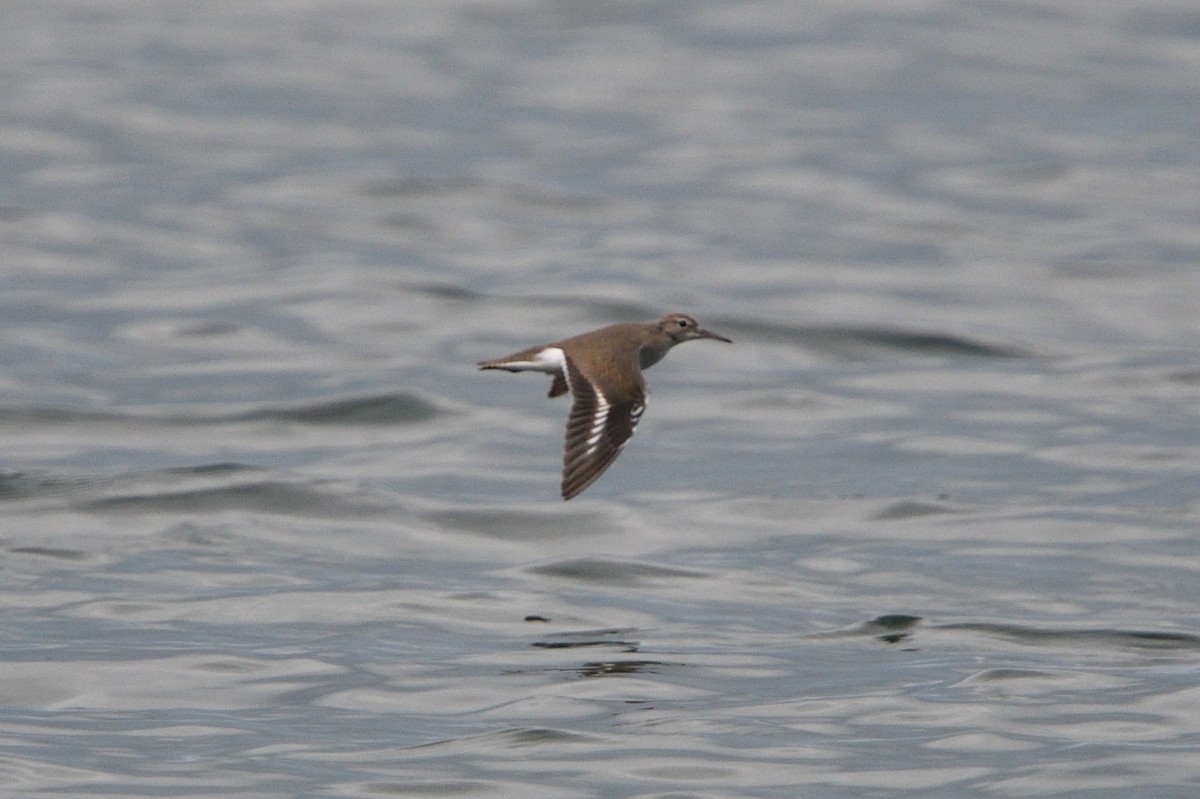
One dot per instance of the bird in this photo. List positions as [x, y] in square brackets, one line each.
[603, 371]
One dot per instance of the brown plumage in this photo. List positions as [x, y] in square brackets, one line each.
[603, 371]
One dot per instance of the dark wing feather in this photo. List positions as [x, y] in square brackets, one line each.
[597, 430]
[558, 386]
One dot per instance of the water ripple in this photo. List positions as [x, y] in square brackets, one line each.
[380, 409]
[862, 342]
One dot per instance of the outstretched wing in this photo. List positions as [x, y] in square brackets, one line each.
[597, 430]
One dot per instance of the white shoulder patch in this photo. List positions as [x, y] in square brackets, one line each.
[552, 358]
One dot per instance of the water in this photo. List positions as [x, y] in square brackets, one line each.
[926, 529]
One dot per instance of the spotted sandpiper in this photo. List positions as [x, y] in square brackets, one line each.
[603, 371]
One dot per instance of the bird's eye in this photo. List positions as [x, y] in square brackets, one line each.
[683, 323]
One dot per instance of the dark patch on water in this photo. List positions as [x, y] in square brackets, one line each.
[209, 469]
[51, 552]
[910, 510]
[1104, 638]
[382, 409]
[613, 572]
[628, 646]
[589, 638]
[262, 497]
[611, 668]
[890, 628]
[861, 343]
[379, 410]
[516, 525]
[442, 291]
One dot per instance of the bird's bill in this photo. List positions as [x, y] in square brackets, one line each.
[702, 333]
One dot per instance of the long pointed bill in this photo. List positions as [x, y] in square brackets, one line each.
[702, 333]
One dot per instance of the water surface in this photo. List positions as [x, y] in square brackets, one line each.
[926, 529]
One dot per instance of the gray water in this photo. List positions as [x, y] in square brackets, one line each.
[927, 528]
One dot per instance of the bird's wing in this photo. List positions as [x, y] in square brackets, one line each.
[597, 430]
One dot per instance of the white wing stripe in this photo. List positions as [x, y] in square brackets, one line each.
[598, 422]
